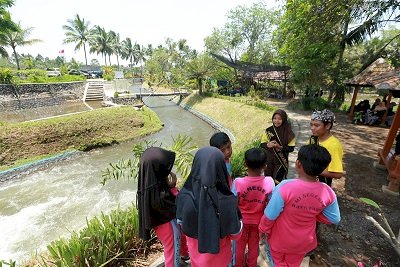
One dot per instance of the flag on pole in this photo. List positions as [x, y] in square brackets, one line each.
[61, 51]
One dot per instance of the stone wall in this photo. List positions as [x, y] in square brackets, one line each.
[25, 96]
[125, 100]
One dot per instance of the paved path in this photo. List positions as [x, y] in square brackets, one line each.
[301, 128]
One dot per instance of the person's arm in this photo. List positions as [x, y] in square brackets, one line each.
[288, 149]
[331, 214]
[271, 212]
[333, 175]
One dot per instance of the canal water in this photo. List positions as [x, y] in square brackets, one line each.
[48, 203]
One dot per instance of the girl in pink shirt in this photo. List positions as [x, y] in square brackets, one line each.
[156, 202]
[296, 205]
[208, 211]
[253, 192]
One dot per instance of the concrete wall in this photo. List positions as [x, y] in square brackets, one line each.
[25, 96]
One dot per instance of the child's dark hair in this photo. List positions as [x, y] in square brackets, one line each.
[255, 158]
[219, 139]
[314, 159]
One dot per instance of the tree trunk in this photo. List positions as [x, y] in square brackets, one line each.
[16, 57]
[84, 49]
[200, 83]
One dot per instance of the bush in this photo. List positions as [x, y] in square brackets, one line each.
[108, 73]
[237, 160]
[6, 76]
[110, 240]
[310, 103]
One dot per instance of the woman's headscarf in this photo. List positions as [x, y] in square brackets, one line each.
[156, 203]
[284, 131]
[205, 205]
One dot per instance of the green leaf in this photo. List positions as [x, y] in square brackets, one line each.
[370, 202]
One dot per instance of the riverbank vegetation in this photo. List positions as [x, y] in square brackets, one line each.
[245, 120]
[25, 141]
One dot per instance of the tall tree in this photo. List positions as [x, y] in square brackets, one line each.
[116, 45]
[314, 34]
[6, 24]
[17, 38]
[101, 42]
[130, 51]
[200, 69]
[78, 31]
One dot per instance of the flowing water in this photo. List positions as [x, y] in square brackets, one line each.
[48, 203]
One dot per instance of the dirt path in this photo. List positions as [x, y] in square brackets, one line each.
[356, 239]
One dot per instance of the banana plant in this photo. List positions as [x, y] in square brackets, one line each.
[385, 229]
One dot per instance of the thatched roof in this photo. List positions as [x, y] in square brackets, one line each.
[256, 71]
[379, 75]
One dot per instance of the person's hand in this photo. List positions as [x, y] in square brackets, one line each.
[172, 179]
[272, 144]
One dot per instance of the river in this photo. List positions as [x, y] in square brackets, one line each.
[51, 202]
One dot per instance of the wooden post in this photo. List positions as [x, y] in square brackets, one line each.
[389, 98]
[391, 135]
[353, 101]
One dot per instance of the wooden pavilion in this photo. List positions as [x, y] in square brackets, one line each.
[381, 75]
[254, 73]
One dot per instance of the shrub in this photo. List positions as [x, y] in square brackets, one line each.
[116, 94]
[108, 73]
[6, 76]
[237, 160]
[111, 240]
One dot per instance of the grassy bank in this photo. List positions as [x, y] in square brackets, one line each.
[245, 121]
[29, 141]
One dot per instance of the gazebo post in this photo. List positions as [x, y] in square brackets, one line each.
[389, 98]
[390, 138]
[353, 101]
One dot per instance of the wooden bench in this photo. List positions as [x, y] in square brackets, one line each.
[392, 164]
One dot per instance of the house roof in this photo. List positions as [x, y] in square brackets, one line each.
[379, 75]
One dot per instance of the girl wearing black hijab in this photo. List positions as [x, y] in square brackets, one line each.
[156, 202]
[208, 210]
[278, 141]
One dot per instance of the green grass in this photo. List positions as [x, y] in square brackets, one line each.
[247, 122]
[29, 141]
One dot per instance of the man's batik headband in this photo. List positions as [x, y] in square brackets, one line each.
[324, 116]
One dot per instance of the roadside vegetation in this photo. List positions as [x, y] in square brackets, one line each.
[25, 141]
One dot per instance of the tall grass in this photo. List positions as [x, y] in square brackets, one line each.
[108, 240]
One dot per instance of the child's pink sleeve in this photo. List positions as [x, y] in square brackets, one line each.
[265, 225]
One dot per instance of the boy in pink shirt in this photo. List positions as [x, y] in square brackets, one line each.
[253, 192]
[296, 205]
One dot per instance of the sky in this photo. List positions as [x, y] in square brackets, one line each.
[145, 22]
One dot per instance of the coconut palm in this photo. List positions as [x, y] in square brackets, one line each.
[78, 32]
[130, 51]
[101, 42]
[116, 45]
[17, 38]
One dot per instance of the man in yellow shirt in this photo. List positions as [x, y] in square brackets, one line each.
[321, 125]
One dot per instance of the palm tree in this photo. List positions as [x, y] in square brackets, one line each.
[17, 38]
[77, 32]
[116, 45]
[101, 42]
[128, 50]
[200, 68]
